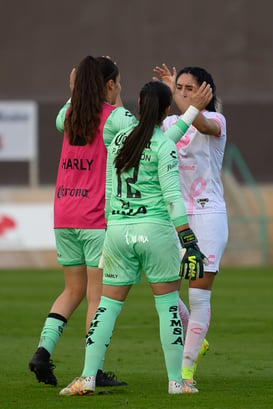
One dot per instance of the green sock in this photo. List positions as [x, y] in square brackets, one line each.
[171, 333]
[51, 332]
[101, 365]
[100, 333]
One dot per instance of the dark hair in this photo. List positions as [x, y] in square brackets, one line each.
[154, 98]
[86, 103]
[201, 75]
[108, 68]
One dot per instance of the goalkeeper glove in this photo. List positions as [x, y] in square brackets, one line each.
[193, 260]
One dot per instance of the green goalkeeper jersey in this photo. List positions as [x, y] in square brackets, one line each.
[149, 193]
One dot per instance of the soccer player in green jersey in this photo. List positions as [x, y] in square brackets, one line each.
[143, 204]
[82, 229]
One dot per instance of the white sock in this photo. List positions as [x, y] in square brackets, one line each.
[198, 324]
[184, 316]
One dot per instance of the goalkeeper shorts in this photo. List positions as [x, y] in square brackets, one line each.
[132, 248]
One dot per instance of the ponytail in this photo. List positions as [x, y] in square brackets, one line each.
[86, 103]
[154, 99]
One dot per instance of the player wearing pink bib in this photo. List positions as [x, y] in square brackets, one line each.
[89, 124]
[200, 155]
[80, 187]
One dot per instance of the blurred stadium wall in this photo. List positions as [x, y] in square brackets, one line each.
[42, 42]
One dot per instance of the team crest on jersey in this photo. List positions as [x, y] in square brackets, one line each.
[203, 201]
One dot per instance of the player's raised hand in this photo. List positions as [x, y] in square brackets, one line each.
[166, 76]
[201, 96]
[72, 77]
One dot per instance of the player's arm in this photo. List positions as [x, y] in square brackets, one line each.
[168, 175]
[61, 117]
[176, 131]
[200, 98]
[206, 126]
[61, 114]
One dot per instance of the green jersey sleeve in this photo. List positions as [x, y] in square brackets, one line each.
[168, 175]
[176, 131]
[61, 118]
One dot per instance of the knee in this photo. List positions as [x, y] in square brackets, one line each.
[75, 292]
[199, 297]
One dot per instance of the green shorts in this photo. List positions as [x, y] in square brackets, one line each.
[79, 246]
[133, 248]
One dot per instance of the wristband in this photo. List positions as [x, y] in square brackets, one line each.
[182, 125]
[190, 115]
[187, 238]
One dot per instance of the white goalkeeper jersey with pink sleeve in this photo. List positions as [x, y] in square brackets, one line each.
[200, 163]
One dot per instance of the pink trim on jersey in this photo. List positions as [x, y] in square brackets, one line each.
[203, 111]
[80, 188]
[220, 126]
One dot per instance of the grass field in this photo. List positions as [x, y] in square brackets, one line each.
[237, 372]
